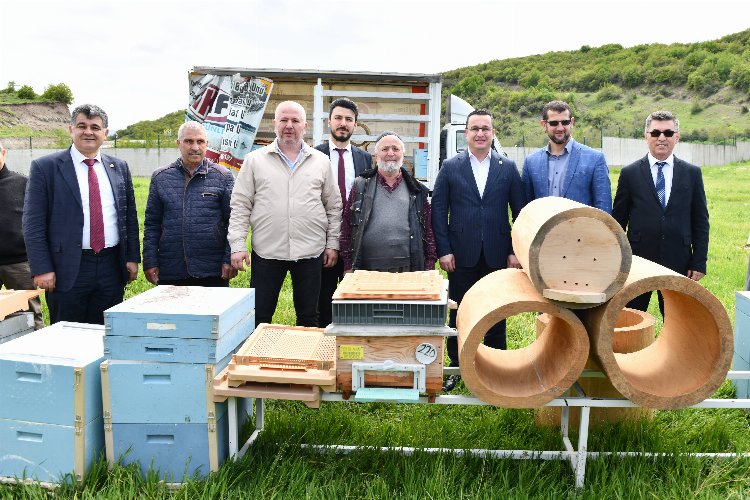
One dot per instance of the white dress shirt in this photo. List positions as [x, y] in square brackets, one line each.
[481, 170]
[109, 210]
[667, 170]
[348, 166]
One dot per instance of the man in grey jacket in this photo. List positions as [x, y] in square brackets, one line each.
[285, 192]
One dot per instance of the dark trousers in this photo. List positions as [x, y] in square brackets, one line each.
[267, 277]
[98, 286]
[459, 283]
[641, 302]
[211, 281]
[329, 280]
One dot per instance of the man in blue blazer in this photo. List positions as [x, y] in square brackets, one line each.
[564, 167]
[351, 161]
[661, 203]
[470, 203]
[80, 224]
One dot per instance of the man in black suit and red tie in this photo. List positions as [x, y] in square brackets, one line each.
[80, 224]
[347, 162]
[661, 203]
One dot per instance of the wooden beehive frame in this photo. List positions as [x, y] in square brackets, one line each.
[421, 285]
[284, 347]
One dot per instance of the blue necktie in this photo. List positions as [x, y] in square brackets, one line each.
[661, 190]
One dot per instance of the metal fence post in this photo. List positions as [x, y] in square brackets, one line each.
[31, 145]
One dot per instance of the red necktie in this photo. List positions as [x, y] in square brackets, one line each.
[96, 220]
[342, 175]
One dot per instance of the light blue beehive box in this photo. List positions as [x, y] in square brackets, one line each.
[140, 392]
[741, 359]
[181, 312]
[180, 324]
[50, 403]
[163, 415]
[174, 451]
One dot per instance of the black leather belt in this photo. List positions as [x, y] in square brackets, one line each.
[105, 251]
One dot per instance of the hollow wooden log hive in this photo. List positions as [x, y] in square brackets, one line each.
[521, 378]
[576, 255]
[634, 330]
[690, 358]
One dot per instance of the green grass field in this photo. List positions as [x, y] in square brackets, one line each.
[276, 467]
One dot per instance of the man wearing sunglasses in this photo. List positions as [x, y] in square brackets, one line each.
[661, 202]
[564, 167]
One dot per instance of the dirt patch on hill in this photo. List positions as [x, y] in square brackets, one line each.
[36, 117]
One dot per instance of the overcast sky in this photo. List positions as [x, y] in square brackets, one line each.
[132, 58]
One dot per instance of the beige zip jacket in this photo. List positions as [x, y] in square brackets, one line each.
[294, 214]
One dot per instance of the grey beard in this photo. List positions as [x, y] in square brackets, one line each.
[389, 169]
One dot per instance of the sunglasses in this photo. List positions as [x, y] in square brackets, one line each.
[657, 133]
[555, 123]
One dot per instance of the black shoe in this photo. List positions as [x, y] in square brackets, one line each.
[451, 382]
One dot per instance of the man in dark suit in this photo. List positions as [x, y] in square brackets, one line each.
[80, 224]
[661, 203]
[347, 162]
[470, 220]
[564, 167]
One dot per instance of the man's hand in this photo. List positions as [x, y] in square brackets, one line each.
[239, 259]
[152, 275]
[45, 281]
[3, 152]
[695, 275]
[132, 268]
[513, 262]
[330, 257]
[448, 263]
[228, 272]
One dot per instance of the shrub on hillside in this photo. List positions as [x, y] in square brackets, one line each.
[608, 92]
[26, 92]
[58, 93]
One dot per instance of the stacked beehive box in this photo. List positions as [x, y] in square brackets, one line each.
[389, 331]
[165, 347]
[50, 403]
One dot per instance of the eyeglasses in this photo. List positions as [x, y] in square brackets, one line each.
[657, 133]
[476, 130]
[555, 123]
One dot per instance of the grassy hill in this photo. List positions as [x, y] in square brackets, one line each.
[612, 89]
[147, 132]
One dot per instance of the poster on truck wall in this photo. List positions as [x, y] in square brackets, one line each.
[230, 109]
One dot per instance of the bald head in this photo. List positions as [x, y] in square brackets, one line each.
[290, 123]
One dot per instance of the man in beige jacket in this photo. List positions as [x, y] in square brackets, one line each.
[286, 194]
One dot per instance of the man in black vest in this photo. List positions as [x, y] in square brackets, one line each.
[347, 162]
[387, 221]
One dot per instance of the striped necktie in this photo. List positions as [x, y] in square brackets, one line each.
[661, 190]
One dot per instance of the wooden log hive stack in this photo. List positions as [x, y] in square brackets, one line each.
[577, 257]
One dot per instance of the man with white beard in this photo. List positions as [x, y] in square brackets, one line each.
[387, 223]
